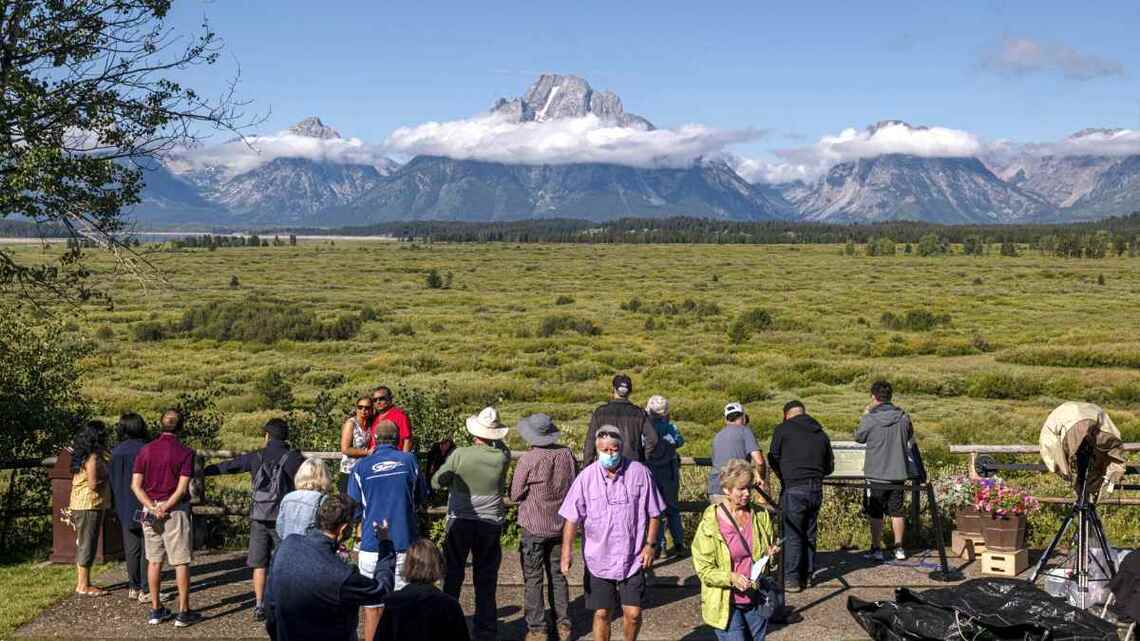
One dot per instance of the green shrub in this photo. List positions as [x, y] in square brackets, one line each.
[402, 329]
[552, 325]
[275, 391]
[105, 333]
[564, 300]
[201, 419]
[669, 308]
[148, 331]
[262, 321]
[753, 320]
[433, 280]
[1072, 357]
[915, 320]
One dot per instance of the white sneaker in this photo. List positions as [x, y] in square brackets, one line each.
[900, 555]
[874, 554]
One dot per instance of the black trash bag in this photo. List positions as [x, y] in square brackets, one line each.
[979, 610]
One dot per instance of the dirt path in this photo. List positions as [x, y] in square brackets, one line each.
[222, 592]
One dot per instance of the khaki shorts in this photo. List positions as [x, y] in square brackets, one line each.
[170, 537]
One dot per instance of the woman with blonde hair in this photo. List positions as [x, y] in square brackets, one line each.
[732, 539]
[298, 511]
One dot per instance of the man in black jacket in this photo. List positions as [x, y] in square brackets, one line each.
[271, 471]
[639, 437]
[801, 456]
[313, 594]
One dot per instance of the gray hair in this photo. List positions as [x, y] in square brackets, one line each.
[657, 405]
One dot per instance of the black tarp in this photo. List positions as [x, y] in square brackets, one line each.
[978, 610]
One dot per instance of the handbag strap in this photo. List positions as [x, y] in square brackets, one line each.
[739, 532]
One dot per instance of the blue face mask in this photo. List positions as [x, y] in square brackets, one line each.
[608, 460]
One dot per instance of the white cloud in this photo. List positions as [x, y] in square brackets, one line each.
[237, 156]
[497, 138]
[1022, 56]
[1091, 142]
[808, 163]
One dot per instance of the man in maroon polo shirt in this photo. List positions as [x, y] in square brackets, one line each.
[161, 481]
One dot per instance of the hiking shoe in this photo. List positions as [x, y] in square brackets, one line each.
[187, 619]
[564, 632]
[900, 555]
[158, 616]
[133, 594]
[259, 613]
[679, 552]
[874, 554]
[793, 588]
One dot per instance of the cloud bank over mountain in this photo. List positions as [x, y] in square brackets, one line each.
[239, 156]
[497, 137]
[886, 137]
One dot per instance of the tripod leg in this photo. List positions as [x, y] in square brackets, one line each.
[1052, 547]
[937, 518]
[1102, 538]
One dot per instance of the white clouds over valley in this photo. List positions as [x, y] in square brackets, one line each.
[237, 156]
[588, 139]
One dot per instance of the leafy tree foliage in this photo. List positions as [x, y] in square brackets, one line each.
[87, 101]
[40, 404]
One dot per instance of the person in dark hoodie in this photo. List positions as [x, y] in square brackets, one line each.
[886, 429]
[801, 457]
[271, 470]
[639, 437]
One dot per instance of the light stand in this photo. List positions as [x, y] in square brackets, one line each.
[1088, 524]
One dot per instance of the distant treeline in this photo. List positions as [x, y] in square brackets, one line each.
[703, 230]
[30, 229]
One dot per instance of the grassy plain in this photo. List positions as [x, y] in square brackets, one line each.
[1024, 334]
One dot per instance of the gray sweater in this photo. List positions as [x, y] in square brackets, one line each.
[885, 430]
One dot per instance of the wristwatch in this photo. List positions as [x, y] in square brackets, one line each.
[651, 544]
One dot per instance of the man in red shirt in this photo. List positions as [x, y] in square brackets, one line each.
[160, 481]
[383, 409]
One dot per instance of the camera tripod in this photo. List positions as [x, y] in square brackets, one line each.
[1083, 511]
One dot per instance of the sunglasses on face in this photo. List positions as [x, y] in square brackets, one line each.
[380, 399]
[363, 407]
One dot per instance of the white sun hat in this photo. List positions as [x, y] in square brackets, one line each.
[486, 425]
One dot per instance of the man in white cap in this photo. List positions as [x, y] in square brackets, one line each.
[476, 479]
[734, 441]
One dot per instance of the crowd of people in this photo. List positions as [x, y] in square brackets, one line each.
[321, 554]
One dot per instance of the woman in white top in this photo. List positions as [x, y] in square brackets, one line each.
[355, 438]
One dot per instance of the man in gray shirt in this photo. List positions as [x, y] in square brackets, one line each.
[886, 430]
[734, 441]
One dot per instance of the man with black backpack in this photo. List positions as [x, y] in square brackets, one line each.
[272, 469]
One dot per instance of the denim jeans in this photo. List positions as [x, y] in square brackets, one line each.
[667, 477]
[481, 541]
[800, 515]
[744, 625]
[541, 563]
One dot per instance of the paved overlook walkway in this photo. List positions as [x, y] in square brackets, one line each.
[221, 590]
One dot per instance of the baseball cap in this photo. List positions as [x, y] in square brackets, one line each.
[622, 384]
[608, 431]
[733, 408]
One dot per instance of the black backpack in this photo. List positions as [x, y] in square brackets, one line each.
[269, 486]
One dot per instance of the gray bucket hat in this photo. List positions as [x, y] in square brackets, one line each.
[538, 430]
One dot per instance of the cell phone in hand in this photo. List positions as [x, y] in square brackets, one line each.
[144, 517]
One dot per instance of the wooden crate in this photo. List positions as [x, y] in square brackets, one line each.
[966, 546]
[1008, 564]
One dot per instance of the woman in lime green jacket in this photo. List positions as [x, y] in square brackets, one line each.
[731, 538]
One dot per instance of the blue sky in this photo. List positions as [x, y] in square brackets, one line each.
[1027, 71]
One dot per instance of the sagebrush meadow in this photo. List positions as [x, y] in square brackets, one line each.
[980, 348]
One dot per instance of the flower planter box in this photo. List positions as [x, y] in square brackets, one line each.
[969, 520]
[1004, 533]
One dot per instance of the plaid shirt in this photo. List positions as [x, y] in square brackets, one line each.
[542, 478]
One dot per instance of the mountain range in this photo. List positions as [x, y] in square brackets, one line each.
[1020, 187]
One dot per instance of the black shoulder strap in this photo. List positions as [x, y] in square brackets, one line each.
[739, 532]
